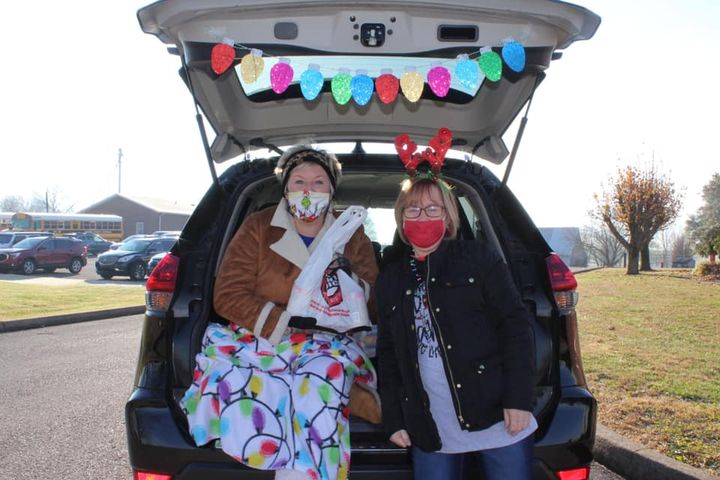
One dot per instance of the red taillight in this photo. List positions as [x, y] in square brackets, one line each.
[161, 283]
[150, 476]
[561, 278]
[574, 474]
[562, 281]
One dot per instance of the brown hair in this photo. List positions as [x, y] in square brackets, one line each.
[418, 188]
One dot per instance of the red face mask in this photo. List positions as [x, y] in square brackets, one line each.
[424, 233]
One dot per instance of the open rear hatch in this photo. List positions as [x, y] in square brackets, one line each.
[363, 38]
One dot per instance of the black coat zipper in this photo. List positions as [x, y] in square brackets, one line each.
[446, 361]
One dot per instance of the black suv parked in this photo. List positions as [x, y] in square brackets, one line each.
[249, 116]
[47, 253]
[131, 259]
[95, 243]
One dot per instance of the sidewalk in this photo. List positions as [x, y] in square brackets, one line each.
[624, 457]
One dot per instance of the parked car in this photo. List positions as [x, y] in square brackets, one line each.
[47, 253]
[9, 238]
[131, 259]
[95, 243]
[167, 233]
[683, 262]
[154, 260]
[116, 245]
[250, 116]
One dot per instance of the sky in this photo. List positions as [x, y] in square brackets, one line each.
[81, 81]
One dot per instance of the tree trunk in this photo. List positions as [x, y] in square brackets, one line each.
[633, 254]
[645, 259]
[712, 259]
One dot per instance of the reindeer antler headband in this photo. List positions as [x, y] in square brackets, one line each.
[434, 154]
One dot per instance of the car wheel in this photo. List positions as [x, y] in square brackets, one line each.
[137, 271]
[28, 266]
[75, 266]
[106, 276]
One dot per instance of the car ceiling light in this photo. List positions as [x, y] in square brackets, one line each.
[252, 66]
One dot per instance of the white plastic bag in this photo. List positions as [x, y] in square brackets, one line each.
[325, 292]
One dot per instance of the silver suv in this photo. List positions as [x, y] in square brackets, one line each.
[245, 63]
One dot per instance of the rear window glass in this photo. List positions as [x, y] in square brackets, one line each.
[330, 66]
[5, 238]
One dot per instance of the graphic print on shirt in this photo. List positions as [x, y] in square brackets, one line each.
[426, 342]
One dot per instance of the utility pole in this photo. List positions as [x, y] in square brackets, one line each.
[120, 155]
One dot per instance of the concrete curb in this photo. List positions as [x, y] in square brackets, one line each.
[634, 461]
[25, 324]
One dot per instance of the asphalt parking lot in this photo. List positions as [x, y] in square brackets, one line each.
[63, 276]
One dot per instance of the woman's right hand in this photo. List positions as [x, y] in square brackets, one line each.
[401, 439]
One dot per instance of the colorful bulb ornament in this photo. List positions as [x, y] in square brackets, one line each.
[340, 86]
[311, 82]
[281, 74]
[467, 72]
[514, 55]
[252, 66]
[490, 64]
[387, 86]
[412, 84]
[439, 80]
[222, 56]
[361, 88]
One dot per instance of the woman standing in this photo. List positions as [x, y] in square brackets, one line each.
[455, 348]
[271, 387]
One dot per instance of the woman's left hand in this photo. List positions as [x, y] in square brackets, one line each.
[516, 420]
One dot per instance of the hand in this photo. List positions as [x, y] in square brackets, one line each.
[342, 263]
[401, 439]
[302, 322]
[516, 420]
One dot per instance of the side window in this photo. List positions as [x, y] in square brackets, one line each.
[19, 238]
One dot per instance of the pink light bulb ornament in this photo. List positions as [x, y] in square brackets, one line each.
[281, 74]
[439, 80]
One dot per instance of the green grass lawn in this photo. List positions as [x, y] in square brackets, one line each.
[651, 351]
[28, 301]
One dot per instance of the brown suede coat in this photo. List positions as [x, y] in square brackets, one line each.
[263, 260]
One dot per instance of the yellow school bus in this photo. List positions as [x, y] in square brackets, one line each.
[110, 227]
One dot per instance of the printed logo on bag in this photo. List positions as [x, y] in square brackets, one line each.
[330, 287]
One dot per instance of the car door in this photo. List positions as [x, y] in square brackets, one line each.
[45, 253]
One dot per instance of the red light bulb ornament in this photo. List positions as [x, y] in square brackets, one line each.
[438, 78]
[222, 56]
[490, 64]
[281, 74]
[387, 86]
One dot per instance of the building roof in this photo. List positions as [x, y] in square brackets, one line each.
[159, 205]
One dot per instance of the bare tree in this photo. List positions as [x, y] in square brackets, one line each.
[602, 246]
[13, 203]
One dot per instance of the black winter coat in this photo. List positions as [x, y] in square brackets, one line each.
[482, 328]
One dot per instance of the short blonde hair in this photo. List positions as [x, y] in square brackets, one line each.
[418, 188]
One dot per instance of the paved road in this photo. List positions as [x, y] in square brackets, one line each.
[62, 396]
[63, 277]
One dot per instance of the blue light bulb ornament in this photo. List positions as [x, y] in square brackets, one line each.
[514, 55]
[361, 87]
[311, 82]
[467, 72]
[490, 64]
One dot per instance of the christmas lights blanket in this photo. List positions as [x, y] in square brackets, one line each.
[277, 407]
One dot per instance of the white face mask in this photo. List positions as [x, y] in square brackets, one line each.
[308, 206]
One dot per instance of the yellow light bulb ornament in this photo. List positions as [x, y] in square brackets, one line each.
[412, 84]
[251, 66]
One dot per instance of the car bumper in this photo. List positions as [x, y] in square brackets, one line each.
[115, 269]
[158, 442]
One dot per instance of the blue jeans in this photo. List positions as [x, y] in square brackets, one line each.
[513, 462]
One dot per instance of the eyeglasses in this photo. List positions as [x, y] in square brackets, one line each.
[431, 211]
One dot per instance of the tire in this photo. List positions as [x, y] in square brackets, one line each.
[28, 266]
[75, 265]
[106, 276]
[137, 271]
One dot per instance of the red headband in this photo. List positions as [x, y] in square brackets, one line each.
[434, 154]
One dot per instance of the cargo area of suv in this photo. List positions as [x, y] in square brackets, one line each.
[247, 119]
